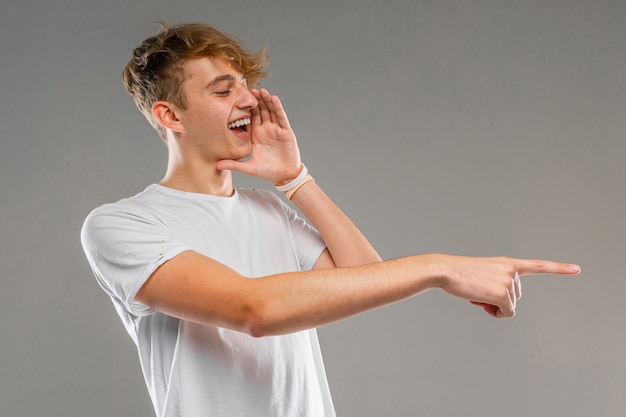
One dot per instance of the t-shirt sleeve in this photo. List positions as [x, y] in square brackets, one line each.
[124, 247]
[308, 242]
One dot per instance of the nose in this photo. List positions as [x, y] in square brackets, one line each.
[246, 99]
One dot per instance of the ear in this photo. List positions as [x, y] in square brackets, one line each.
[166, 115]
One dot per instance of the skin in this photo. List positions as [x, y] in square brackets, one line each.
[348, 278]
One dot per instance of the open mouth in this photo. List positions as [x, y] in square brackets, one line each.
[240, 126]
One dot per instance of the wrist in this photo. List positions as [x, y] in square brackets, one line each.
[289, 182]
[438, 269]
[294, 185]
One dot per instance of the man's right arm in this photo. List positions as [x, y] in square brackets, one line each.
[194, 287]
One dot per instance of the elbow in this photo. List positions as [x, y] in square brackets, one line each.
[257, 322]
[376, 258]
[257, 330]
[261, 312]
[259, 326]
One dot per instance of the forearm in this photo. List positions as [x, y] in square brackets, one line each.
[345, 242]
[290, 302]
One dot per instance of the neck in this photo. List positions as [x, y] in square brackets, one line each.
[197, 177]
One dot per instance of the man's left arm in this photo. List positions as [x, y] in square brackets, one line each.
[346, 245]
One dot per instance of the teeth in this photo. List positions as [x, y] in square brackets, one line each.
[239, 123]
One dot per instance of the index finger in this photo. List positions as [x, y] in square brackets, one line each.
[276, 109]
[534, 266]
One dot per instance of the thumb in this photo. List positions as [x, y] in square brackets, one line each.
[233, 165]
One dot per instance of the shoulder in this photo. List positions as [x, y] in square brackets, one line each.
[268, 204]
[126, 207]
[109, 218]
[256, 193]
[261, 197]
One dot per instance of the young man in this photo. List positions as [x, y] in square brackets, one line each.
[221, 288]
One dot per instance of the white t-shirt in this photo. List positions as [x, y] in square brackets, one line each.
[194, 370]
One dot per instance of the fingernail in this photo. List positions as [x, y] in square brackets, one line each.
[574, 268]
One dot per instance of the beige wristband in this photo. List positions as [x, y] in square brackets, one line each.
[289, 193]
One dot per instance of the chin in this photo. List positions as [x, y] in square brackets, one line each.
[245, 157]
[246, 150]
[242, 153]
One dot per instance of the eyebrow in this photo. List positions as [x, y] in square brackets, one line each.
[221, 78]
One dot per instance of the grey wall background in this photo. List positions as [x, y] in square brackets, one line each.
[469, 127]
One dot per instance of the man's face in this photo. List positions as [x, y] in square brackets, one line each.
[218, 114]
